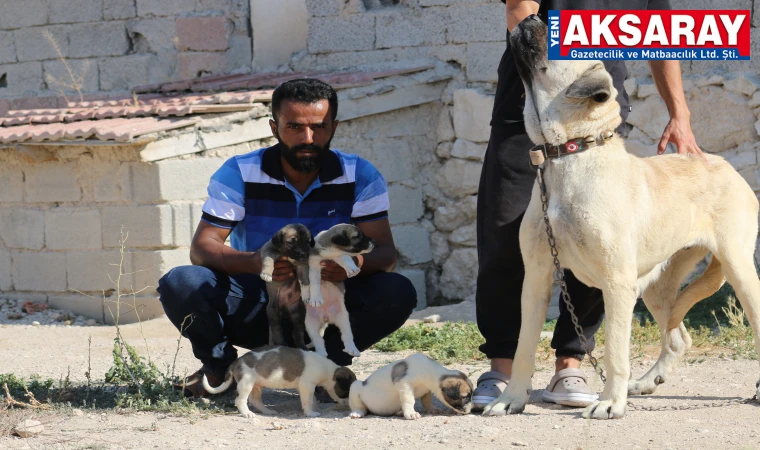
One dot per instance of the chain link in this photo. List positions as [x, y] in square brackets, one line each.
[691, 407]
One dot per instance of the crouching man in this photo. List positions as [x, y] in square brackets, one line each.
[252, 196]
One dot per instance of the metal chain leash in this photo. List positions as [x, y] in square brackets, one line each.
[559, 277]
[694, 406]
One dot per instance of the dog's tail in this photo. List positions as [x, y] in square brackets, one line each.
[222, 387]
[701, 288]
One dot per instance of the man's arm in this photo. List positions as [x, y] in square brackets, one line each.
[517, 10]
[381, 259]
[208, 250]
[667, 78]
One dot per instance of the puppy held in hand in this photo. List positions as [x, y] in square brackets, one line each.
[392, 389]
[294, 242]
[339, 243]
[284, 368]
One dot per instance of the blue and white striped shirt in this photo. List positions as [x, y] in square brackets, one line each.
[250, 195]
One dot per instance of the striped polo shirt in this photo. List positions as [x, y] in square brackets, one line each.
[250, 195]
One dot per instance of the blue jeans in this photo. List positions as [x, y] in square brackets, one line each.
[231, 310]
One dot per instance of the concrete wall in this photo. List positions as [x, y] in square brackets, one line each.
[113, 45]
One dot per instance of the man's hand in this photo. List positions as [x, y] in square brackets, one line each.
[283, 269]
[331, 271]
[678, 131]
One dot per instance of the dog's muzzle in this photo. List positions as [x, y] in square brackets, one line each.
[543, 152]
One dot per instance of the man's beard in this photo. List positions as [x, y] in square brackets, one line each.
[305, 164]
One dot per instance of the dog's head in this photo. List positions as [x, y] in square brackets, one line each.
[293, 241]
[346, 238]
[563, 99]
[457, 392]
[340, 386]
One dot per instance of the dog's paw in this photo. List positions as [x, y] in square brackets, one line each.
[248, 415]
[644, 386]
[352, 350]
[356, 415]
[342, 402]
[321, 351]
[266, 277]
[316, 301]
[414, 415]
[604, 409]
[507, 403]
[305, 294]
[311, 414]
[352, 272]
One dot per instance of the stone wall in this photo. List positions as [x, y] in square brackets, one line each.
[114, 45]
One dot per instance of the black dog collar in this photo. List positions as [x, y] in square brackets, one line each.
[540, 153]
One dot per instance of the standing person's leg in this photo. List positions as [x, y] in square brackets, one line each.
[377, 305]
[214, 311]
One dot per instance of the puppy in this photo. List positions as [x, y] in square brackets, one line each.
[284, 368]
[293, 241]
[393, 388]
[339, 243]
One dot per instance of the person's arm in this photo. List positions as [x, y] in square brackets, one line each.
[382, 258]
[667, 78]
[517, 10]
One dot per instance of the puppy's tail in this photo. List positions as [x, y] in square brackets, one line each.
[222, 387]
[704, 286]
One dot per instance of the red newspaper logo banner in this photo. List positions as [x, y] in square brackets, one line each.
[655, 29]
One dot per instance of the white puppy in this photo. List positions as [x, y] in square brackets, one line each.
[393, 388]
[326, 304]
[284, 368]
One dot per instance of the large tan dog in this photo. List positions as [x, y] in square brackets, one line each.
[626, 225]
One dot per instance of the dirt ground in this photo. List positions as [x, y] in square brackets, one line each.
[51, 351]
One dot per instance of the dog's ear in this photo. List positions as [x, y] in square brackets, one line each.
[340, 239]
[596, 84]
[278, 238]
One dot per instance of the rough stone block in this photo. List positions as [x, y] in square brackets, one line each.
[751, 175]
[742, 83]
[393, 160]
[405, 28]
[479, 23]
[464, 236]
[279, 30]
[111, 39]
[240, 53]
[23, 14]
[173, 179]
[196, 65]
[337, 34]
[111, 182]
[21, 79]
[33, 297]
[452, 215]
[202, 33]
[22, 228]
[75, 11]
[52, 182]
[7, 48]
[147, 226]
[413, 243]
[183, 225]
[319, 8]
[445, 128]
[6, 279]
[70, 229]
[79, 304]
[119, 9]
[99, 271]
[152, 35]
[39, 271]
[417, 277]
[483, 60]
[465, 149]
[85, 72]
[459, 178]
[164, 7]
[13, 184]
[406, 204]
[125, 72]
[460, 274]
[133, 310]
[150, 266]
[472, 115]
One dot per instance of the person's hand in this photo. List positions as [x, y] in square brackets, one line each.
[331, 271]
[283, 269]
[678, 131]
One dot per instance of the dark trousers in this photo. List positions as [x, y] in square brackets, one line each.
[505, 188]
[227, 311]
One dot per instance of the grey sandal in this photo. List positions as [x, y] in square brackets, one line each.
[489, 387]
[568, 387]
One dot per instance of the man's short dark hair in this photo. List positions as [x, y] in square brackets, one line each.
[304, 90]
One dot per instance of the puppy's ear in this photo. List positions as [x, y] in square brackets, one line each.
[341, 240]
[278, 238]
[596, 84]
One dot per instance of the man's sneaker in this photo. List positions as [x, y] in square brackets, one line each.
[568, 387]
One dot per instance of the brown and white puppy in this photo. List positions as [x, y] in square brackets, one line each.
[326, 305]
[279, 367]
[293, 241]
[392, 389]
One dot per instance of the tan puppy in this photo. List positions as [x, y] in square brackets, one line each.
[326, 305]
[284, 368]
[626, 225]
[393, 388]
